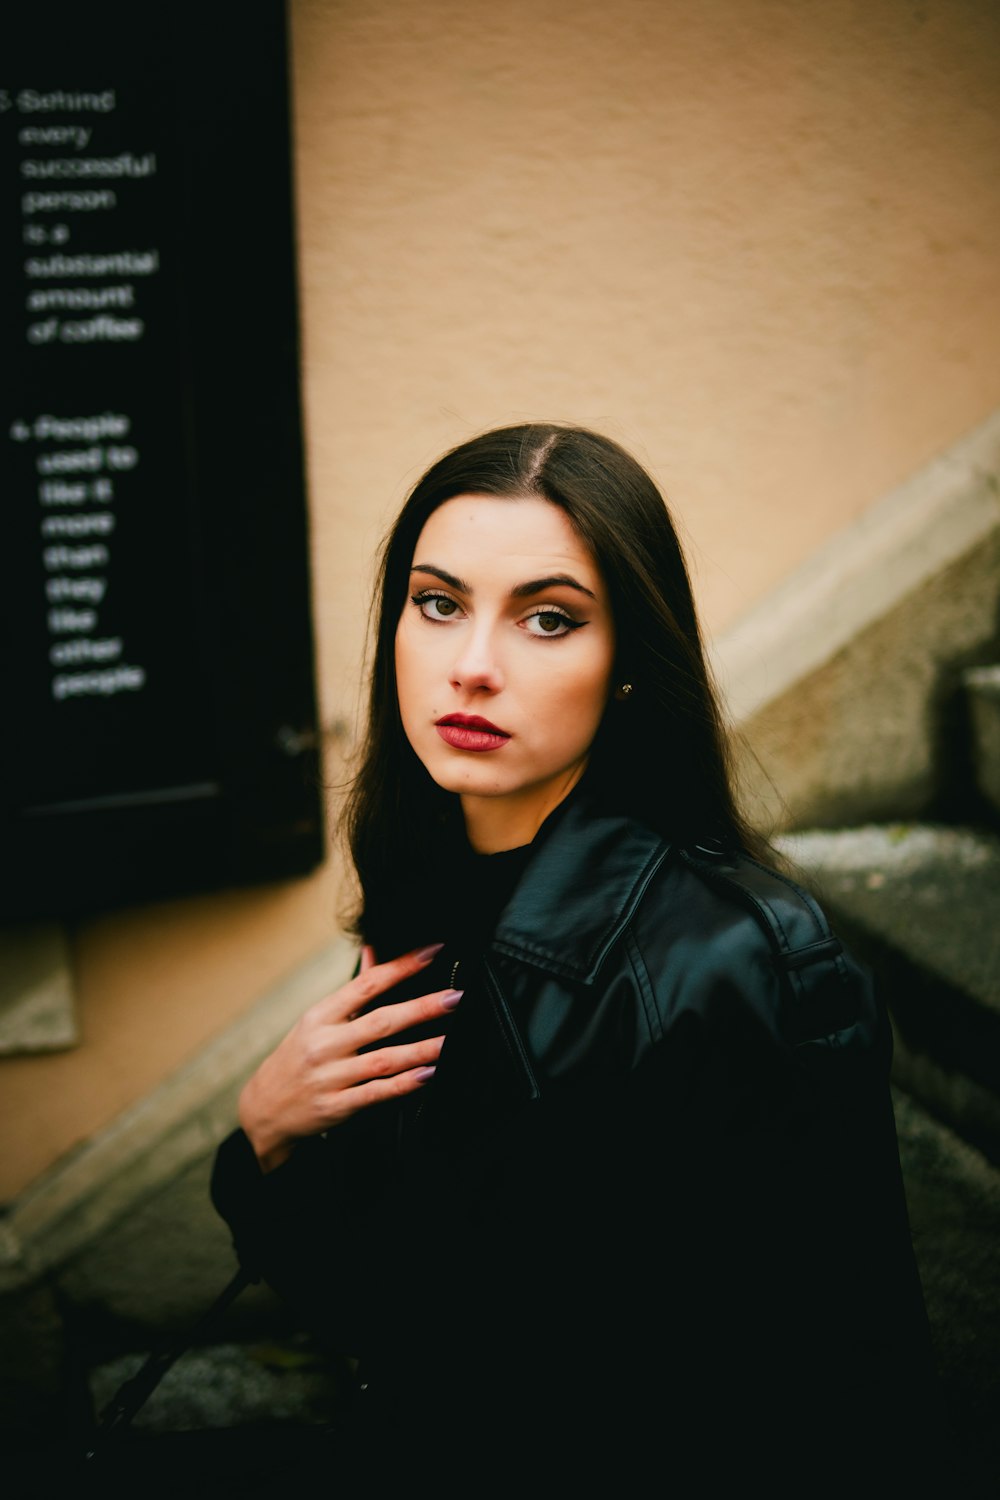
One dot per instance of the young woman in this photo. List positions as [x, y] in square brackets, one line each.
[592, 1166]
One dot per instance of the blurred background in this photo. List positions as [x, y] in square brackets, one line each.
[754, 241]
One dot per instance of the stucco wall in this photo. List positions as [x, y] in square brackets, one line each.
[754, 240]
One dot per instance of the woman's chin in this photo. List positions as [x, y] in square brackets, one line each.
[472, 781]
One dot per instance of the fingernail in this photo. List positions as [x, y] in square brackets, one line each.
[451, 998]
[424, 1073]
[427, 953]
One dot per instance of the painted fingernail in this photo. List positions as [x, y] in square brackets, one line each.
[424, 1073]
[427, 953]
[451, 998]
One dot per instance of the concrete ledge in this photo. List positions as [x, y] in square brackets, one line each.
[982, 684]
[921, 906]
[932, 891]
[929, 521]
[37, 1002]
[229, 1386]
[153, 1142]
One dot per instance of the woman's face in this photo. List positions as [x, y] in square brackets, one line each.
[504, 654]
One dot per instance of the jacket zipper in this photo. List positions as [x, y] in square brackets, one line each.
[420, 1107]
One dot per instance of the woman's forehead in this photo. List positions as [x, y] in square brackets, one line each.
[503, 532]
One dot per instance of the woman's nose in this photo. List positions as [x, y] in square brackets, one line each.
[477, 665]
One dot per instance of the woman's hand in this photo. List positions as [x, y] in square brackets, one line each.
[318, 1076]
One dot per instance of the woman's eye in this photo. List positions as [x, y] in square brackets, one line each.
[435, 606]
[551, 622]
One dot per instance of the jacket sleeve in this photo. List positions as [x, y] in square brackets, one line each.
[291, 1228]
[307, 1228]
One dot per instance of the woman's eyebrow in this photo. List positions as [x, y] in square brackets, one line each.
[554, 580]
[448, 578]
[519, 591]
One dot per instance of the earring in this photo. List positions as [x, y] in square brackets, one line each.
[624, 690]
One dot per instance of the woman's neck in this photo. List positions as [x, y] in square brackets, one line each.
[494, 824]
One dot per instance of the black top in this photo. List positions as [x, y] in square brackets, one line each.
[472, 892]
[477, 894]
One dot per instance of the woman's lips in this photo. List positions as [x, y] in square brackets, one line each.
[470, 732]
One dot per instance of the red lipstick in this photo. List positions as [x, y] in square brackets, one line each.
[470, 732]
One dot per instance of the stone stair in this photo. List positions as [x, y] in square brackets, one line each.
[982, 686]
[919, 902]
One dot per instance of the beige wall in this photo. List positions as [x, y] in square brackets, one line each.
[754, 240]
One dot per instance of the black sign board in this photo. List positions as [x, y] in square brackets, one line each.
[157, 683]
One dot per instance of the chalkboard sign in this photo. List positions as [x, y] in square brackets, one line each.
[157, 682]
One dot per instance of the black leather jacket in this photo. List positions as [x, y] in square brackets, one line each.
[653, 1190]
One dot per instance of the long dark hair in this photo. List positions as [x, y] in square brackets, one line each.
[660, 755]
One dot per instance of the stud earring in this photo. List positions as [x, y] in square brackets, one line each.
[624, 690]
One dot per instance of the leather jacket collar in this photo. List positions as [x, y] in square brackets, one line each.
[578, 891]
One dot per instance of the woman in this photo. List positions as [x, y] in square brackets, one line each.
[592, 1166]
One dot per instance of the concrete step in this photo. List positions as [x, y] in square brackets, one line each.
[953, 1197]
[226, 1385]
[921, 905]
[982, 688]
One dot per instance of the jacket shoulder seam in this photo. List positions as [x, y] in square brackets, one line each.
[728, 880]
